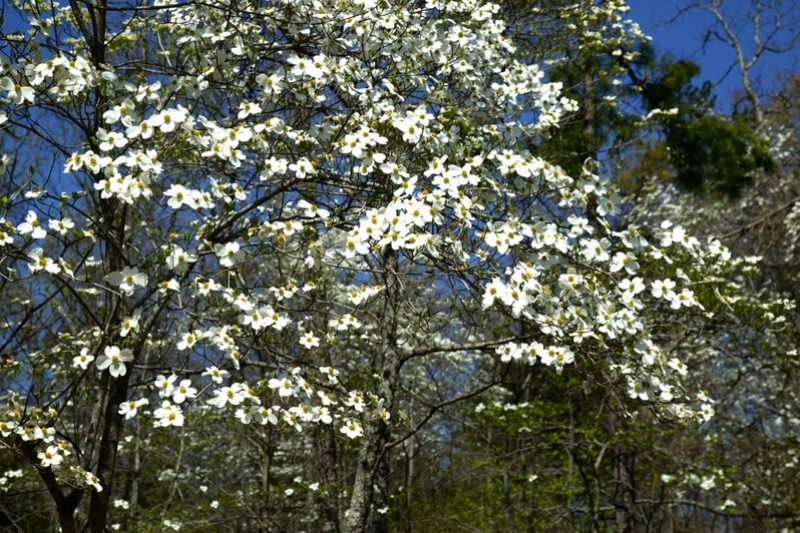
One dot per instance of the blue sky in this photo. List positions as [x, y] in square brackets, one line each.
[684, 39]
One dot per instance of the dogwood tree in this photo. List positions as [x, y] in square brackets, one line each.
[306, 217]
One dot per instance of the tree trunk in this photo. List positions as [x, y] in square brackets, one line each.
[376, 432]
[358, 513]
[107, 454]
[624, 492]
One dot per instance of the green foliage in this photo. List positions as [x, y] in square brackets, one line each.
[715, 153]
[708, 152]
